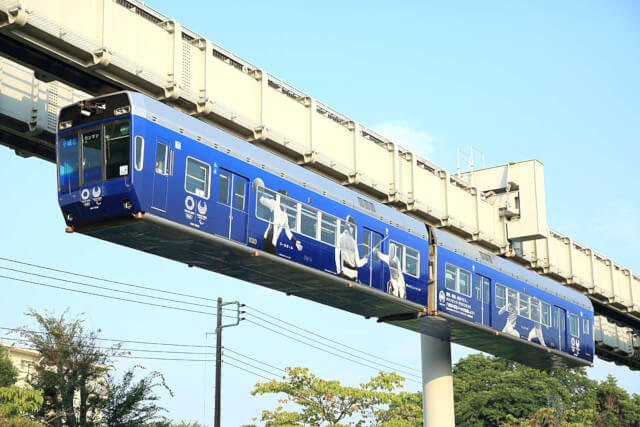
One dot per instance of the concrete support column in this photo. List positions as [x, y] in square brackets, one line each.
[437, 382]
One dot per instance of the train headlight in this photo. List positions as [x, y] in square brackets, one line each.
[65, 125]
[69, 217]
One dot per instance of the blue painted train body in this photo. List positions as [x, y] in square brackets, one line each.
[139, 173]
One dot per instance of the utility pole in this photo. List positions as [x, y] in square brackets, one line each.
[216, 417]
[218, 332]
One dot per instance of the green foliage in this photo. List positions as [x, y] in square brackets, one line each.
[8, 372]
[322, 401]
[18, 401]
[131, 403]
[74, 380]
[18, 422]
[491, 391]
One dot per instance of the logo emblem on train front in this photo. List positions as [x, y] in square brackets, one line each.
[84, 194]
[202, 207]
[189, 203]
[441, 297]
[96, 192]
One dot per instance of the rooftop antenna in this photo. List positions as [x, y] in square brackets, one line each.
[470, 157]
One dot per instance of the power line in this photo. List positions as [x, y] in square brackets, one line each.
[251, 358]
[107, 280]
[115, 340]
[194, 311]
[328, 339]
[109, 296]
[246, 370]
[106, 288]
[334, 348]
[318, 348]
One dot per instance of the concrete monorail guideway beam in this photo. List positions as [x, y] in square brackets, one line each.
[59, 54]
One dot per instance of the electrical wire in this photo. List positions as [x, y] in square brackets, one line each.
[115, 282]
[110, 296]
[335, 348]
[329, 339]
[319, 348]
[106, 288]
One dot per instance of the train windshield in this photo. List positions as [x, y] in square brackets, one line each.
[94, 154]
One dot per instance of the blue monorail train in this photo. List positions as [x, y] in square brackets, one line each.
[136, 172]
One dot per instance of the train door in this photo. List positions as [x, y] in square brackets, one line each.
[560, 322]
[371, 273]
[232, 206]
[483, 295]
[161, 174]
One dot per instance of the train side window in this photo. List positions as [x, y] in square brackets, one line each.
[524, 305]
[139, 146]
[573, 326]
[328, 229]
[501, 296]
[239, 190]
[546, 314]
[197, 178]
[464, 279]
[450, 275]
[412, 262]
[162, 157]
[535, 310]
[364, 242]
[262, 211]
[223, 189]
[486, 290]
[291, 208]
[585, 326]
[117, 146]
[512, 301]
[308, 221]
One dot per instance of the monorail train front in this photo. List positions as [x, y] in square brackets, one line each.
[94, 152]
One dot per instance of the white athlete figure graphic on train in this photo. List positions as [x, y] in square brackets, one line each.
[347, 256]
[510, 326]
[396, 285]
[279, 220]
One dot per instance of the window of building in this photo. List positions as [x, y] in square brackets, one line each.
[197, 178]
[573, 326]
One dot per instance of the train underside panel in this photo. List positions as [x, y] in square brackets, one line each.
[180, 243]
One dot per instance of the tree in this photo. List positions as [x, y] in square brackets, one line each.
[73, 377]
[131, 403]
[16, 402]
[329, 402]
[8, 372]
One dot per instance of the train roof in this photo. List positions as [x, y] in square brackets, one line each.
[144, 106]
[470, 251]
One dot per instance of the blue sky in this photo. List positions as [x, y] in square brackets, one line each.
[546, 80]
